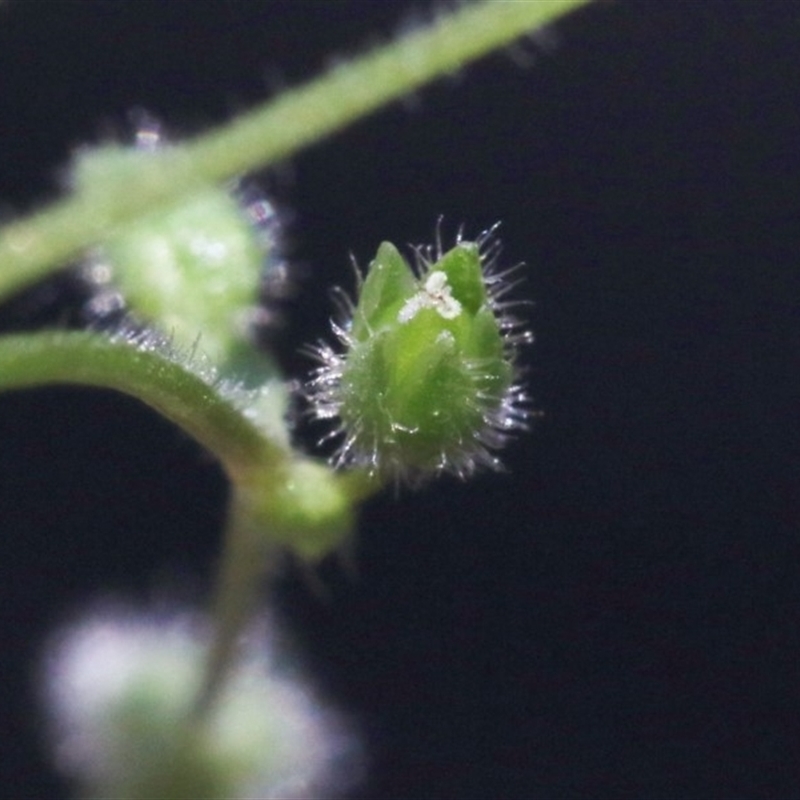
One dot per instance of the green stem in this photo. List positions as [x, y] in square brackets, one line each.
[31, 248]
[299, 501]
[90, 359]
[278, 498]
[243, 566]
[352, 90]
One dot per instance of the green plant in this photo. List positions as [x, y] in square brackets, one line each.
[416, 341]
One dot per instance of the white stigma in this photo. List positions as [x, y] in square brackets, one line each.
[435, 294]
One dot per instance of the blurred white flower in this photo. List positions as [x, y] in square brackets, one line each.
[120, 687]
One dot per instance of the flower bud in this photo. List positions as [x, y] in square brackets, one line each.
[193, 270]
[428, 380]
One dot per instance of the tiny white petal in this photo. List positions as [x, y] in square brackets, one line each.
[435, 294]
[119, 687]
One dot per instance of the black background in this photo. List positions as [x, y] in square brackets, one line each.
[618, 616]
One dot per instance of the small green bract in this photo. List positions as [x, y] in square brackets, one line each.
[428, 379]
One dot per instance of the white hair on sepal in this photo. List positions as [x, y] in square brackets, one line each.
[149, 134]
[270, 223]
[370, 434]
[105, 309]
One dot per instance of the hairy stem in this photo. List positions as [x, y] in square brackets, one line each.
[295, 498]
[31, 248]
[279, 498]
[90, 359]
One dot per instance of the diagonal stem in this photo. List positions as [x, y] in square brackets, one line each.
[33, 247]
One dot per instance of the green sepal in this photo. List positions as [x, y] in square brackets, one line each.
[427, 362]
[193, 271]
[389, 283]
[462, 265]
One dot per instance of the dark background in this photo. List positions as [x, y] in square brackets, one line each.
[618, 617]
